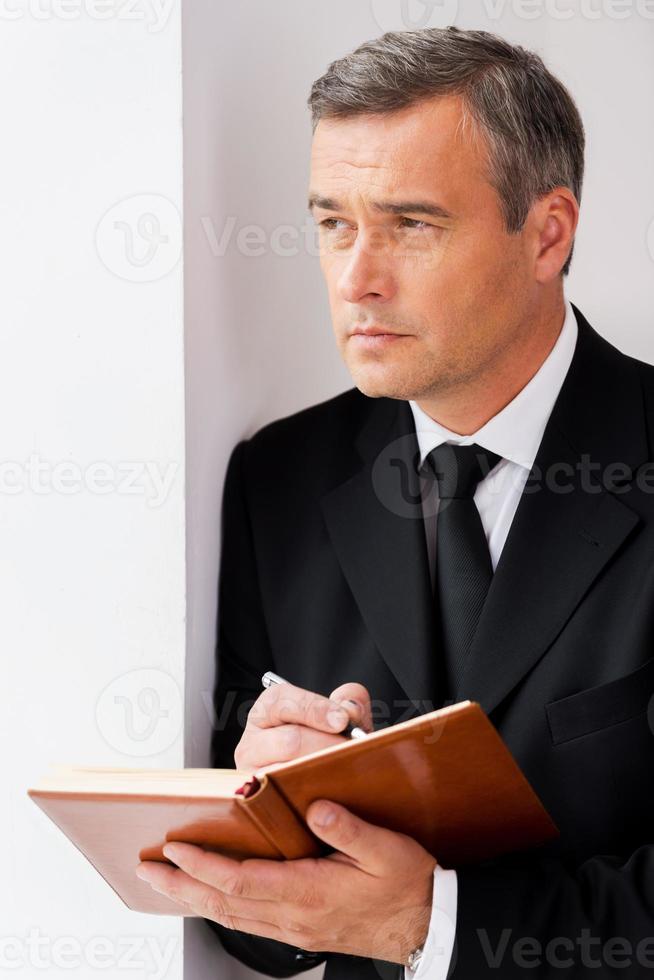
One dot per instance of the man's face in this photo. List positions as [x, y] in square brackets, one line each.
[452, 288]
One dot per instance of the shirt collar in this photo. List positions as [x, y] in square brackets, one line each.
[515, 433]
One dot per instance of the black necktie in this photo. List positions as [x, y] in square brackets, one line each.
[463, 564]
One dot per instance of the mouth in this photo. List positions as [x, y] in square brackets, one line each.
[374, 331]
[375, 336]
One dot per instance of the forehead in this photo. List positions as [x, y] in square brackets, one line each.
[425, 146]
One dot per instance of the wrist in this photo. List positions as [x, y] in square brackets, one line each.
[435, 963]
[416, 935]
[415, 948]
[414, 958]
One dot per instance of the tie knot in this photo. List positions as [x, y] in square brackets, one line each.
[459, 469]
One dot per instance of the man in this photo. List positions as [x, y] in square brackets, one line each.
[474, 519]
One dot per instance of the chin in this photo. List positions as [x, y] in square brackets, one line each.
[378, 383]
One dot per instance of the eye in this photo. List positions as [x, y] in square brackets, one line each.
[329, 223]
[415, 223]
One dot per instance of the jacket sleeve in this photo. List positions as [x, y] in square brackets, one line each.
[242, 655]
[545, 918]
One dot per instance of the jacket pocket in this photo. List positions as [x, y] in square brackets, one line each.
[600, 707]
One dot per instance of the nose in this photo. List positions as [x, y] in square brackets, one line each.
[367, 272]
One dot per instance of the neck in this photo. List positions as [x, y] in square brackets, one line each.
[465, 409]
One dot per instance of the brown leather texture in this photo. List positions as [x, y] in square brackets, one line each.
[446, 779]
[116, 832]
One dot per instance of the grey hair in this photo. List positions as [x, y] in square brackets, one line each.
[534, 132]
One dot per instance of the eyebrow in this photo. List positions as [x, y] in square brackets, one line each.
[385, 207]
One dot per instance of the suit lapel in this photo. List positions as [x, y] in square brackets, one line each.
[375, 523]
[559, 542]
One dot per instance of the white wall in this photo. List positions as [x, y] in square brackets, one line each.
[258, 333]
[91, 372]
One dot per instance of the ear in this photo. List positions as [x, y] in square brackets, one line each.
[554, 219]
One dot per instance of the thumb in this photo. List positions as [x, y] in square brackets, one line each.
[370, 846]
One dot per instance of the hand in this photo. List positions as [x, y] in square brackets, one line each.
[286, 722]
[372, 897]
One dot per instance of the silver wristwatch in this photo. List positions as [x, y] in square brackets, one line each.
[414, 957]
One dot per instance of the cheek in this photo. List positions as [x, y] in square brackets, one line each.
[469, 285]
[331, 273]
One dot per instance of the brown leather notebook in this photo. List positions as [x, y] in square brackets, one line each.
[445, 778]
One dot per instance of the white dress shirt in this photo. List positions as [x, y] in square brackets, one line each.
[515, 434]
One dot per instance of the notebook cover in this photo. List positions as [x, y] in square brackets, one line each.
[115, 833]
[445, 778]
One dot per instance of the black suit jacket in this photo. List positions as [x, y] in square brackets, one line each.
[324, 578]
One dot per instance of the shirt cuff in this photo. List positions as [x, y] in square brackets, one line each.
[439, 945]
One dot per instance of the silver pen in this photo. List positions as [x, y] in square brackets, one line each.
[350, 731]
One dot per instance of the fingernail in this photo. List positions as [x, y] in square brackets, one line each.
[337, 719]
[324, 816]
[143, 874]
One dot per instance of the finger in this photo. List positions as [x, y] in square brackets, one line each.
[259, 748]
[356, 701]
[264, 929]
[284, 704]
[373, 848]
[203, 899]
[268, 882]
